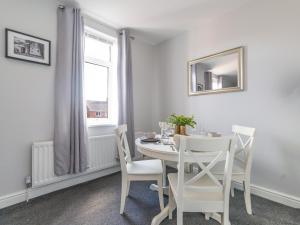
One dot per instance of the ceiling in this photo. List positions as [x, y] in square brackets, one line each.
[157, 20]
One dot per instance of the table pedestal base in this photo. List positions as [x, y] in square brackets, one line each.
[154, 187]
[161, 216]
[165, 213]
[215, 216]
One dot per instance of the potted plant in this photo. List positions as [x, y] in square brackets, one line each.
[180, 122]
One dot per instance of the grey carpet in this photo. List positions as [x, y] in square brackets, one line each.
[97, 203]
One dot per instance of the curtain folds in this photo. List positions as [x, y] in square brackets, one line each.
[125, 89]
[70, 131]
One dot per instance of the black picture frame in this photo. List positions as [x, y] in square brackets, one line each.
[34, 49]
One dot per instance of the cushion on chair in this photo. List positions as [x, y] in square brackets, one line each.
[153, 166]
[196, 195]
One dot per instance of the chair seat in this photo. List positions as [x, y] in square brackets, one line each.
[238, 168]
[145, 167]
[191, 198]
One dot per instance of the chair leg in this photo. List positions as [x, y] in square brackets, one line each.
[207, 216]
[128, 187]
[123, 194]
[179, 217]
[164, 173]
[232, 190]
[247, 196]
[160, 193]
[225, 218]
[172, 203]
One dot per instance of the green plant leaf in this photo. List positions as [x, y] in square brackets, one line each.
[182, 120]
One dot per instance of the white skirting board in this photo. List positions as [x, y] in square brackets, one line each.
[21, 196]
[275, 196]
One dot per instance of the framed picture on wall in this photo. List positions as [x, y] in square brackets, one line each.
[26, 47]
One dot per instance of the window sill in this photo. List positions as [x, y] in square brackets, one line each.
[91, 125]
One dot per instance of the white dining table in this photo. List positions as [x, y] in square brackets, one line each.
[165, 153]
[158, 151]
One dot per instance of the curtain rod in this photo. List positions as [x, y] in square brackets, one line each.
[131, 37]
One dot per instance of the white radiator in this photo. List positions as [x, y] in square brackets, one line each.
[102, 150]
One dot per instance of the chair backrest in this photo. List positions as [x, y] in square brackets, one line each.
[123, 148]
[244, 152]
[206, 152]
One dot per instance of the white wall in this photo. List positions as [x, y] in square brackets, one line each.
[27, 90]
[144, 85]
[271, 102]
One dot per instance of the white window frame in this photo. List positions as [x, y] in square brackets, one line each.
[112, 82]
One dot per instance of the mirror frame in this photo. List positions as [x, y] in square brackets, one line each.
[240, 86]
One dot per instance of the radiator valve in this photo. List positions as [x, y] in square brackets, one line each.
[28, 181]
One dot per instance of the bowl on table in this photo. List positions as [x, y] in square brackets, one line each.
[150, 135]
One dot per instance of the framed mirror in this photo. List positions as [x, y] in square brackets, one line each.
[217, 73]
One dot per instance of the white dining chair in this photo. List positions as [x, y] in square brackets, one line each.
[136, 170]
[242, 162]
[202, 191]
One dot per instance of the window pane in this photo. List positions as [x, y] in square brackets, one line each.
[96, 93]
[97, 49]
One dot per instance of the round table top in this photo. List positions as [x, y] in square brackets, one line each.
[163, 151]
[157, 150]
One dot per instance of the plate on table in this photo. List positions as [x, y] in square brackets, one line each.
[150, 140]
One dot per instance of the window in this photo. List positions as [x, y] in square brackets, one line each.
[100, 77]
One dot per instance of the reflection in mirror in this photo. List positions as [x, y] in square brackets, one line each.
[217, 73]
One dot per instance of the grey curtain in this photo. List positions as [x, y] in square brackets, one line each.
[208, 80]
[70, 131]
[125, 89]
